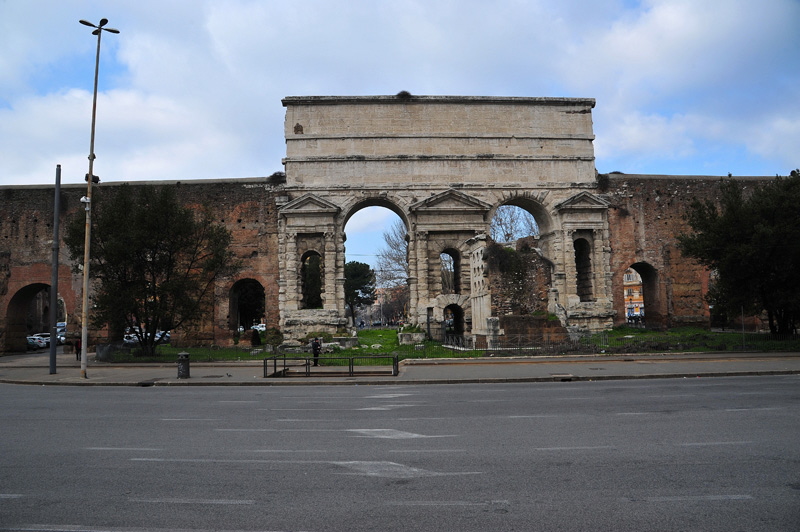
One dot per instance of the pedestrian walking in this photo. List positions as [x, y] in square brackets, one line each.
[78, 349]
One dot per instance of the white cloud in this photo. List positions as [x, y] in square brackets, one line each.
[369, 220]
[192, 88]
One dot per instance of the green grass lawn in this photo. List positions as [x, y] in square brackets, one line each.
[383, 342]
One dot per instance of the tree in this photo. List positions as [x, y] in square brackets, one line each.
[359, 286]
[448, 274]
[392, 274]
[511, 223]
[153, 260]
[393, 257]
[750, 240]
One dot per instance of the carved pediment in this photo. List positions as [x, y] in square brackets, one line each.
[583, 201]
[451, 201]
[309, 204]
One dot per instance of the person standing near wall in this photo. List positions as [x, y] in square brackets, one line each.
[316, 347]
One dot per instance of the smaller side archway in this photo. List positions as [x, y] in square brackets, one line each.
[450, 259]
[311, 275]
[454, 320]
[583, 269]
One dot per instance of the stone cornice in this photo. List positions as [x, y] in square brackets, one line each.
[411, 99]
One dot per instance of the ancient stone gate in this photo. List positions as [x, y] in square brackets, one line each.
[443, 165]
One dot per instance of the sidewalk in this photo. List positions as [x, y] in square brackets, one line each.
[34, 368]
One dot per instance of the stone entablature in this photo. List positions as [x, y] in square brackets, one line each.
[442, 139]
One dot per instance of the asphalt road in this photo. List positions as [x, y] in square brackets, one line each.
[689, 454]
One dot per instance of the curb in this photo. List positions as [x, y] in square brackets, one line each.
[353, 381]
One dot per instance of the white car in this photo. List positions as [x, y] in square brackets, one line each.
[43, 336]
[60, 338]
[36, 342]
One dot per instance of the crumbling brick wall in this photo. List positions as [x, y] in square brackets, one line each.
[519, 279]
[646, 215]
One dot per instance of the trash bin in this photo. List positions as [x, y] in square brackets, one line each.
[183, 365]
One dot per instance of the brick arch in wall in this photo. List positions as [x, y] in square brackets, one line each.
[246, 304]
[27, 313]
[653, 304]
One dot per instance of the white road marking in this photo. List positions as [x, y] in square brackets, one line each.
[684, 498]
[134, 449]
[711, 443]
[196, 501]
[447, 503]
[750, 409]
[419, 451]
[391, 434]
[423, 418]
[189, 419]
[11, 495]
[587, 448]
[372, 469]
[289, 451]
[277, 430]
[305, 409]
[394, 470]
[385, 407]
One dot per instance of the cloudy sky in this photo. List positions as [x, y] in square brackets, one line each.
[192, 88]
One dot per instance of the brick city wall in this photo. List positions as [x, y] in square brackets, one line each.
[646, 214]
[645, 217]
[246, 207]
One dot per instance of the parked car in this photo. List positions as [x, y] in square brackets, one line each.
[164, 335]
[43, 336]
[60, 338]
[261, 327]
[130, 340]
[36, 342]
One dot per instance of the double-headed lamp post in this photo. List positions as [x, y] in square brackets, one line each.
[87, 200]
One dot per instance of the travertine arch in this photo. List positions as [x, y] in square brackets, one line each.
[534, 203]
[382, 199]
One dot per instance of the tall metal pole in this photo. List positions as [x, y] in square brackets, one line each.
[87, 200]
[54, 276]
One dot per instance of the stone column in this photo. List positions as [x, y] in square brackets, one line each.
[291, 272]
[421, 272]
[330, 280]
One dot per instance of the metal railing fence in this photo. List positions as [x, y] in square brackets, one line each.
[281, 365]
[637, 343]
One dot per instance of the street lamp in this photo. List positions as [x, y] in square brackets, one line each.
[87, 200]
